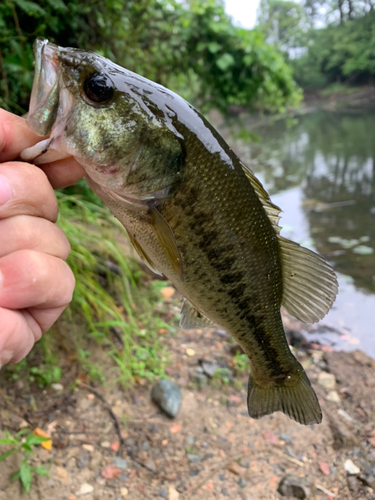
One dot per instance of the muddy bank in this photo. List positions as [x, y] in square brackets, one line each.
[212, 449]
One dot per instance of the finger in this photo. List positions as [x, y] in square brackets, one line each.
[34, 279]
[19, 332]
[30, 192]
[15, 135]
[63, 173]
[32, 233]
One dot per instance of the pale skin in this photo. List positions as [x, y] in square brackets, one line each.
[36, 284]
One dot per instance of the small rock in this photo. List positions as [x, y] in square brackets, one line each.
[295, 487]
[173, 494]
[286, 437]
[150, 464]
[121, 463]
[352, 483]
[244, 463]
[163, 493]
[351, 468]
[209, 368]
[124, 492]
[190, 352]
[85, 489]
[23, 424]
[88, 447]
[83, 460]
[145, 446]
[324, 468]
[235, 468]
[105, 444]
[242, 482]
[224, 492]
[327, 380]
[222, 477]
[346, 416]
[57, 387]
[193, 458]
[62, 475]
[167, 395]
[333, 396]
[190, 440]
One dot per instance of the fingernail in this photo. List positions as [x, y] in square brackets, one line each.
[5, 191]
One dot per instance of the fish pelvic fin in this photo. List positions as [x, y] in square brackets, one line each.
[295, 397]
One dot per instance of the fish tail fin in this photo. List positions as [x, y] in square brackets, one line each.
[296, 398]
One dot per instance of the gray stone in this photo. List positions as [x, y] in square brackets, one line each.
[244, 463]
[167, 395]
[83, 460]
[150, 464]
[193, 458]
[242, 482]
[295, 487]
[163, 493]
[209, 368]
[121, 463]
[145, 446]
[286, 437]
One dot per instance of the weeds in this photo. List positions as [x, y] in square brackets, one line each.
[24, 446]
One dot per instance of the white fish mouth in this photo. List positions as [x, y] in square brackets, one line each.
[50, 106]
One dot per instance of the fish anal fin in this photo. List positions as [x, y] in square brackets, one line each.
[167, 240]
[272, 211]
[143, 255]
[309, 283]
[191, 318]
[297, 400]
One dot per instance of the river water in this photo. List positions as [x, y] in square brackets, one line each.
[320, 169]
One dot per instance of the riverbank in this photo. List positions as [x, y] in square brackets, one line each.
[113, 443]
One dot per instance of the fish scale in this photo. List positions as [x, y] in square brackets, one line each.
[193, 211]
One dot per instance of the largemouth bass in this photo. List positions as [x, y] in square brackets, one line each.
[193, 211]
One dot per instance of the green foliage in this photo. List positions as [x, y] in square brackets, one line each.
[192, 48]
[24, 446]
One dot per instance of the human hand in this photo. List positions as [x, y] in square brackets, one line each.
[36, 284]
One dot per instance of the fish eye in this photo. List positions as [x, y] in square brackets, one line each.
[98, 87]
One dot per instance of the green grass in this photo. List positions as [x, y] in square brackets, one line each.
[111, 328]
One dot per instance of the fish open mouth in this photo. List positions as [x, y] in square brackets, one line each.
[49, 107]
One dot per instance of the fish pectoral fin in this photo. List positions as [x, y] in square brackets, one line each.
[167, 240]
[191, 318]
[309, 283]
[297, 400]
[143, 255]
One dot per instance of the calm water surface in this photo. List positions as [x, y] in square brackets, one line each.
[320, 169]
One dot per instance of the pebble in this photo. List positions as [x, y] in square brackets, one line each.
[295, 487]
[57, 387]
[222, 477]
[145, 446]
[163, 493]
[224, 492]
[124, 492]
[245, 463]
[333, 396]
[190, 352]
[350, 467]
[62, 475]
[286, 437]
[121, 463]
[88, 447]
[235, 468]
[150, 464]
[173, 494]
[85, 489]
[167, 395]
[83, 460]
[193, 458]
[327, 380]
[242, 482]
[105, 444]
[209, 368]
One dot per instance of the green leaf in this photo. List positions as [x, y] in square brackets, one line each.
[41, 470]
[32, 440]
[7, 454]
[225, 61]
[26, 475]
[8, 441]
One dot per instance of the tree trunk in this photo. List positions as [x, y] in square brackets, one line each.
[341, 12]
[350, 14]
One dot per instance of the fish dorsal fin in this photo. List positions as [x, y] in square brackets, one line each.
[309, 283]
[191, 318]
[272, 210]
[143, 255]
[167, 240]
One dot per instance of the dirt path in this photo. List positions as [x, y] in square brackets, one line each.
[212, 449]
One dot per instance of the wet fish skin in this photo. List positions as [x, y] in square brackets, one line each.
[194, 213]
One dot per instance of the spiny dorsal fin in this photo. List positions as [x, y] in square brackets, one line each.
[191, 318]
[167, 240]
[272, 210]
[309, 283]
[143, 255]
